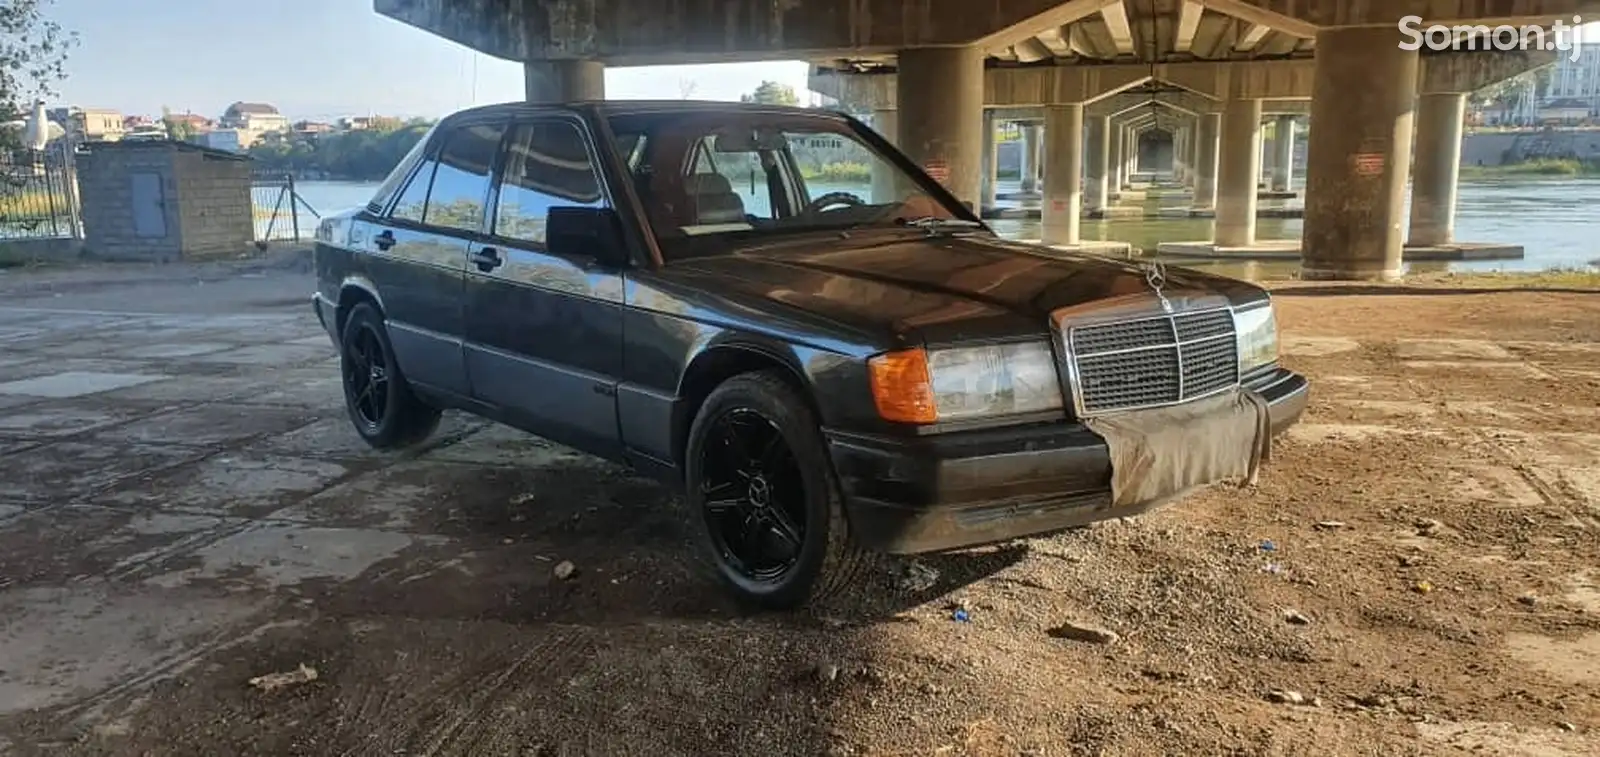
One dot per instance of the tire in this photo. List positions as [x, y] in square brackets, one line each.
[826, 561]
[390, 417]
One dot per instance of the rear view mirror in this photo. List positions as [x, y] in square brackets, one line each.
[577, 231]
[748, 140]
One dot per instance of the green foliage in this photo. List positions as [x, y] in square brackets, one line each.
[33, 54]
[364, 155]
[772, 93]
[177, 129]
[842, 172]
[1554, 167]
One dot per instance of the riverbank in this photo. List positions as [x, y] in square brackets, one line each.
[1553, 168]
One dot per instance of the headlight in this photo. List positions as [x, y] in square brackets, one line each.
[917, 386]
[1257, 331]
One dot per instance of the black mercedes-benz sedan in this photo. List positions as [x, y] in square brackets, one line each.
[824, 369]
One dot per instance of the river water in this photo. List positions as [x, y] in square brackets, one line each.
[1554, 219]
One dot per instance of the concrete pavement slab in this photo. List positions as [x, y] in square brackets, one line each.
[74, 543]
[60, 472]
[76, 383]
[213, 424]
[58, 418]
[228, 484]
[274, 555]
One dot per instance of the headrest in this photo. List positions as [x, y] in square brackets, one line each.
[707, 184]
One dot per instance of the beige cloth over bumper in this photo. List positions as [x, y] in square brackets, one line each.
[1163, 451]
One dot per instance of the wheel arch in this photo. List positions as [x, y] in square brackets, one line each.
[353, 291]
[715, 365]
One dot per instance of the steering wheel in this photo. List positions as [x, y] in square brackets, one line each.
[833, 198]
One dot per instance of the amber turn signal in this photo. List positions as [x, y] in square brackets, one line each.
[902, 386]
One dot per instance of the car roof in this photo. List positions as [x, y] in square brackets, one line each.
[621, 107]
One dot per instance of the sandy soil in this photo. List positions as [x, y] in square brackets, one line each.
[1418, 572]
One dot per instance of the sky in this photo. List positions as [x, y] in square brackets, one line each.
[319, 59]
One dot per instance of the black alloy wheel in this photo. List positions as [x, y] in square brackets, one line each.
[383, 409]
[766, 502]
[754, 495]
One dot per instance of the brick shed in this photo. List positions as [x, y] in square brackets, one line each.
[164, 201]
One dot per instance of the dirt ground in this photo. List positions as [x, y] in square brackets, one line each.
[1418, 571]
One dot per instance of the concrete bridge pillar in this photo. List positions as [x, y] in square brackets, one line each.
[1115, 143]
[1437, 168]
[1180, 155]
[1363, 96]
[1030, 158]
[557, 81]
[1062, 210]
[1099, 163]
[991, 160]
[1205, 175]
[885, 123]
[1282, 153]
[1238, 173]
[940, 94]
[1130, 156]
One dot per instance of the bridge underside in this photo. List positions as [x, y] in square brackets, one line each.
[1208, 72]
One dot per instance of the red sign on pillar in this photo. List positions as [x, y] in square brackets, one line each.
[1368, 163]
[938, 169]
[1058, 205]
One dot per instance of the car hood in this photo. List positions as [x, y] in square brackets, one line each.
[944, 288]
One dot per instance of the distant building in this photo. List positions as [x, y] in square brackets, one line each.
[89, 124]
[132, 123]
[1576, 80]
[232, 140]
[1564, 112]
[197, 123]
[313, 128]
[256, 117]
[355, 123]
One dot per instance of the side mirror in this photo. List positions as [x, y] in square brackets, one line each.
[586, 232]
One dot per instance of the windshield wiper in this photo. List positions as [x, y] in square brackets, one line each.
[933, 224]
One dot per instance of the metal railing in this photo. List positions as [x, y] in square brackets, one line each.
[280, 213]
[38, 193]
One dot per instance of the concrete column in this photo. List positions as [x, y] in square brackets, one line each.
[940, 93]
[1205, 173]
[1238, 173]
[991, 162]
[1283, 154]
[1437, 168]
[1115, 144]
[1363, 98]
[1038, 156]
[557, 81]
[1131, 154]
[1063, 173]
[884, 177]
[1180, 140]
[1030, 158]
[1098, 149]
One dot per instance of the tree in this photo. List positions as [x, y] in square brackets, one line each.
[772, 93]
[33, 51]
[178, 129]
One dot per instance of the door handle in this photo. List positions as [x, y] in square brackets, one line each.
[385, 240]
[486, 259]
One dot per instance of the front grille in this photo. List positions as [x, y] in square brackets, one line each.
[1147, 362]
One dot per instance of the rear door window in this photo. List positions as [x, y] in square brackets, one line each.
[461, 180]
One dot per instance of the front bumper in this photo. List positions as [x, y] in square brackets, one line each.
[962, 489]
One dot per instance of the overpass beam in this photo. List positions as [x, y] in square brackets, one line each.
[940, 94]
[1063, 176]
[558, 81]
[1099, 154]
[1359, 154]
[1239, 173]
[1437, 168]
[1205, 175]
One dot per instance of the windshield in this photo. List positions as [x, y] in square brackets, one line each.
[710, 179]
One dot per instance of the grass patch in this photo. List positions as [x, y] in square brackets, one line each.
[1547, 167]
[1555, 278]
[843, 172]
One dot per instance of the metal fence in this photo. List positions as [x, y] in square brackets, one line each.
[38, 193]
[280, 213]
